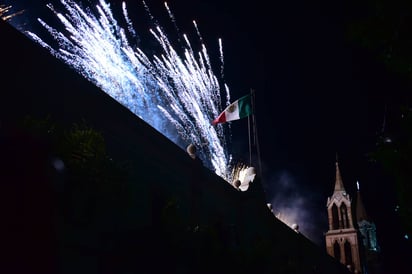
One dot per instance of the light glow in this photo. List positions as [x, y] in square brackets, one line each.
[176, 93]
[5, 12]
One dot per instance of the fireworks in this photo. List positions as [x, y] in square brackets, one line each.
[244, 175]
[175, 92]
[5, 12]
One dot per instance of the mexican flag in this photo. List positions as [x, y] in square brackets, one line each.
[239, 109]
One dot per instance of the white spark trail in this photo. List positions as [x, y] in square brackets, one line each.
[172, 17]
[177, 94]
[221, 58]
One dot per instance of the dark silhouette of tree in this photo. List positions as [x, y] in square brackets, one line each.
[383, 29]
[394, 153]
[91, 178]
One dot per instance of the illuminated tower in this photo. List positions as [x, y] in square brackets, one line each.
[367, 231]
[342, 237]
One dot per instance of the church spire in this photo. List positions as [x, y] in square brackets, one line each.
[338, 183]
[360, 209]
[342, 237]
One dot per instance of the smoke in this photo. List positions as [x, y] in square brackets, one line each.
[293, 203]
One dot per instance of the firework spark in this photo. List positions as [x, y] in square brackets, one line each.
[244, 174]
[176, 93]
[5, 12]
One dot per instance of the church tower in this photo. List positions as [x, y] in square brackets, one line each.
[367, 229]
[342, 237]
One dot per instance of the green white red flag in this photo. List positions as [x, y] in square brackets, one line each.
[239, 109]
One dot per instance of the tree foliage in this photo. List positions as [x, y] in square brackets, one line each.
[394, 153]
[91, 179]
[384, 28]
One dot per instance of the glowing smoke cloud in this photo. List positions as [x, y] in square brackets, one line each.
[292, 205]
[177, 95]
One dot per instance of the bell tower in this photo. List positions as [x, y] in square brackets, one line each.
[342, 237]
[369, 245]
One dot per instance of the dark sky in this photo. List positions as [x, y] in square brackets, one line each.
[317, 95]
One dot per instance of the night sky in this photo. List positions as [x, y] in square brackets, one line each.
[318, 95]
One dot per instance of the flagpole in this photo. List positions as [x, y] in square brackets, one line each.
[255, 133]
[250, 144]
[252, 100]
[253, 125]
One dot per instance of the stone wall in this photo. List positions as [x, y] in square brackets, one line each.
[147, 207]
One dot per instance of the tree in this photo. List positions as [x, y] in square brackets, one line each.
[394, 153]
[92, 179]
[383, 29]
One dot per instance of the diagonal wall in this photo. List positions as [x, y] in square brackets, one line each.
[167, 213]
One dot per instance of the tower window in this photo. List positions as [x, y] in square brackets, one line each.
[336, 251]
[345, 217]
[335, 217]
[348, 253]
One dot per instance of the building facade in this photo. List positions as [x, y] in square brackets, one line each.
[342, 241]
